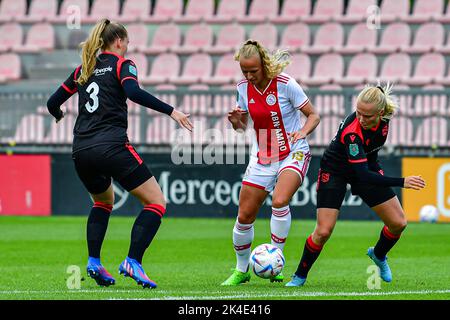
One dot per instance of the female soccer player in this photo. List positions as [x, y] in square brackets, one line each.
[101, 150]
[280, 155]
[352, 158]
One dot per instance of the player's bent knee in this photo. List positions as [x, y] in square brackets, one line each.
[280, 202]
[322, 235]
[245, 218]
[398, 227]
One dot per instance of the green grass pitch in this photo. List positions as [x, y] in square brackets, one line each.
[189, 258]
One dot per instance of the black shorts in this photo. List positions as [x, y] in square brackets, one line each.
[331, 191]
[96, 167]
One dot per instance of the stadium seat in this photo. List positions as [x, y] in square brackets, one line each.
[396, 37]
[196, 11]
[165, 38]
[296, 36]
[362, 68]
[405, 99]
[159, 130]
[426, 10]
[229, 39]
[325, 10]
[135, 11]
[165, 68]
[400, 132]
[12, 10]
[41, 36]
[300, 67]
[260, 11]
[325, 132]
[138, 36]
[61, 132]
[392, 10]
[200, 132]
[76, 37]
[197, 68]
[329, 37]
[428, 37]
[227, 71]
[103, 9]
[10, 66]
[293, 10]
[198, 103]
[328, 68]
[357, 11]
[30, 129]
[265, 33]
[431, 104]
[166, 93]
[165, 11]
[141, 63]
[11, 36]
[228, 11]
[329, 104]
[40, 11]
[360, 39]
[69, 9]
[430, 67]
[395, 68]
[224, 100]
[197, 38]
[134, 128]
[432, 131]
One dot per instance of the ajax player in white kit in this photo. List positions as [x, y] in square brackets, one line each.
[280, 155]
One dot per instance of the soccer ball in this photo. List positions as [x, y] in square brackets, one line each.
[267, 261]
[429, 213]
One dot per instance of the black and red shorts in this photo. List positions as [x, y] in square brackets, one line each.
[96, 166]
[331, 190]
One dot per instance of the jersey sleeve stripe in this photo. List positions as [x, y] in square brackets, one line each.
[68, 90]
[76, 73]
[126, 78]
[303, 104]
[358, 161]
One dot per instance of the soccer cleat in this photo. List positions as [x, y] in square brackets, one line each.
[100, 275]
[385, 271]
[296, 281]
[133, 269]
[236, 278]
[278, 278]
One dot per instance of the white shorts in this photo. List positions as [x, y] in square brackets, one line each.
[265, 176]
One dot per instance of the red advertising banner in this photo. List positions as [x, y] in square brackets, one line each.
[25, 185]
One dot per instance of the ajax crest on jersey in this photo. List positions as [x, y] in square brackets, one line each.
[271, 99]
[267, 261]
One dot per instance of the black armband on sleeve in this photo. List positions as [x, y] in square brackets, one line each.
[365, 175]
[142, 97]
[56, 100]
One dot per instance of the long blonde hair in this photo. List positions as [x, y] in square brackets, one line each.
[273, 64]
[102, 35]
[381, 97]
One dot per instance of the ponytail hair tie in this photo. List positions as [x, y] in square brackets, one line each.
[381, 89]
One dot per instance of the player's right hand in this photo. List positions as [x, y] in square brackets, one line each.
[182, 119]
[414, 182]
[234, 116]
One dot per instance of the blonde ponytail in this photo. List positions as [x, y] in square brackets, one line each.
[382, 97]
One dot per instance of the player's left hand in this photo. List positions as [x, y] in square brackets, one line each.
[295, 136]
[182, 119]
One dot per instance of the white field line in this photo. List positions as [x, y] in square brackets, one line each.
[169, 295]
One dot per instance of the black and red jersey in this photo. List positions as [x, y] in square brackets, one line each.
[102, 109]
[353, 144]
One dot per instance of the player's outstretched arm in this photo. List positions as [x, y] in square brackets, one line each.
[55, 101]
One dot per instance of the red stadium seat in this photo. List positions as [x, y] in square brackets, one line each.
[325, 10]
[11, 36]
[265, 33]
[224, 101]
[431, 104]
[405, 100]
[293, 10]
[166, 10]
[362, 68]
[400, 132]
[429, 68]
[10, 66]
[198, 103]
[141, 63]
[71, 8]
[165, 38]
[296, 36]
[429, 37]
[396, 37]
[426, 10]
[159, 130]
[228, 11]
[134, 128]
[104, 9]
[164, 68]
[300, 67]
[329, 68]
[227, 71]
[135, 10]
[329, 37]
[260, 11]
[61, 132]
[360, 39]
[229, 39]
[30, 129]
[330, 104]
[197, 68]
[396, 68]
[431, 131]
[357, 11]
[392, 10]
[41, 11]
[12, 10]
[138, 36]
[325, 132]
[197, 10]
[41, 36]
[198, 38]
[168, 96]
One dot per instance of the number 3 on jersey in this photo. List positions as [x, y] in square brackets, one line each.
[92, 89]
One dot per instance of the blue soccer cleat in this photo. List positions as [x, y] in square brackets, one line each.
[97, 272]
[296, 281]
[385, 271]
[133, 269]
